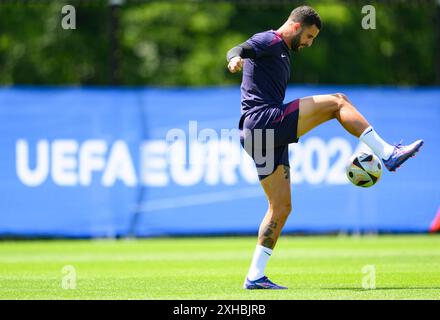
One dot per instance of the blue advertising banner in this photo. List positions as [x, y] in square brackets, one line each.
[98, 162]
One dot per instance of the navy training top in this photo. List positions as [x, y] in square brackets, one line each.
[265, 77]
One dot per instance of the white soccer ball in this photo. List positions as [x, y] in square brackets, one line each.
[364, 169]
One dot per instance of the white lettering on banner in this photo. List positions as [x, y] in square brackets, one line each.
[315, 174]
[154, 163]
[64, 162]
[247, 168]
[119, 166]
[72, 163]
[181, 173]
[336, 174]
[213, 162]
[32, 178]
[303, 169]
[222, 162]
[91, 158]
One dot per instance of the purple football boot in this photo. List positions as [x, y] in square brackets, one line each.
[262, 283]
[401, 154]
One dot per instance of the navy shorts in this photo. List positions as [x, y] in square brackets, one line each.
[265, 134]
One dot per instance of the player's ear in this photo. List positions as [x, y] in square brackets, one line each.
[296, 27]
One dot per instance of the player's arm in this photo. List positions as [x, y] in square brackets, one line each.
[236, 55]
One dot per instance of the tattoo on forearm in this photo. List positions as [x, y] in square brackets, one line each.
[286, 172]
[268, 239]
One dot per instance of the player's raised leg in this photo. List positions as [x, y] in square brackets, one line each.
[317, 109]
[277, 189]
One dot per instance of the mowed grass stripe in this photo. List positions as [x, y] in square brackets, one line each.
[313, 267]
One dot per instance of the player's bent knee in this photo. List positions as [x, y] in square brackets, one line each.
[337, 101]
[342, 96]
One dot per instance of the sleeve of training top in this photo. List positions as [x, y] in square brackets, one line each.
[243, 50]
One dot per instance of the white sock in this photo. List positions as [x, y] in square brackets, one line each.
[382, 149]
[259, 262]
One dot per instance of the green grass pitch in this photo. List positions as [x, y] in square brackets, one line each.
[324, 267]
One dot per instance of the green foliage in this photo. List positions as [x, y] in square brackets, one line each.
[185, 42]
[178, 43]
[34, 49]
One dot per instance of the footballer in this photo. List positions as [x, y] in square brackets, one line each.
[265, 59]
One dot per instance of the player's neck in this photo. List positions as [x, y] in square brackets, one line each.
[286, 35]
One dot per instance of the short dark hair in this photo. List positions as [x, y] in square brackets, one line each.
[306, 15]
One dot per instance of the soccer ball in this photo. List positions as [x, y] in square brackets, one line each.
[364, 169]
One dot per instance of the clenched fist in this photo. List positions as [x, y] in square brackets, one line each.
[235, 64]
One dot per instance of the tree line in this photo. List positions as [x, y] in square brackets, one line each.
[184, 43]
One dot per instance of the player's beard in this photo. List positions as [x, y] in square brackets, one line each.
[295, 43]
